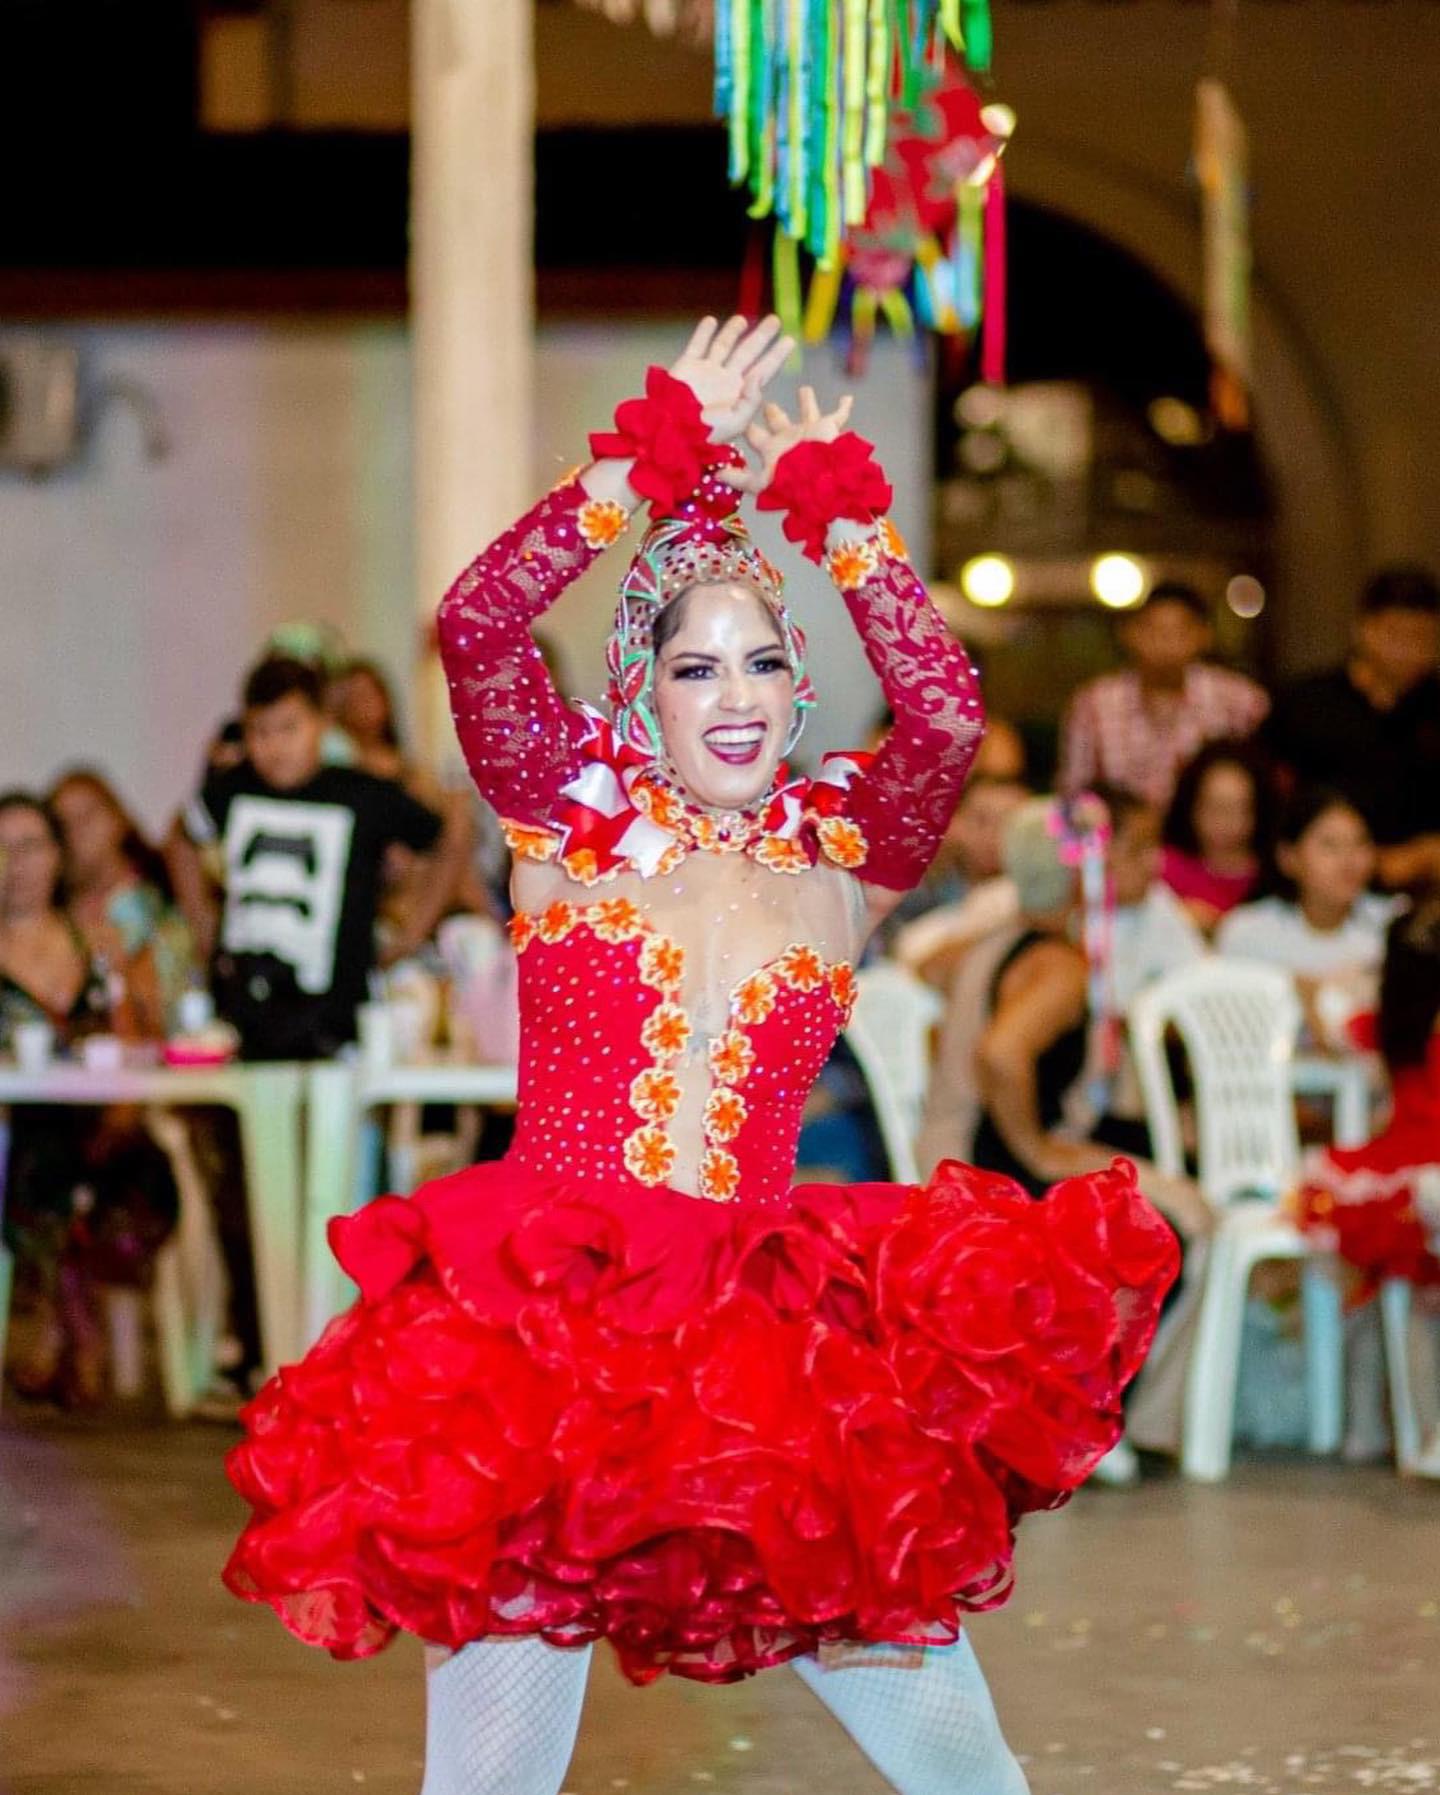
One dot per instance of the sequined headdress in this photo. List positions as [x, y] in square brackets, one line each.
[705, 542]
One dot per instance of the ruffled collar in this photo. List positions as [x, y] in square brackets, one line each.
[619, 814]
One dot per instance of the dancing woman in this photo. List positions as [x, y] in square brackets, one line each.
[627, 1383]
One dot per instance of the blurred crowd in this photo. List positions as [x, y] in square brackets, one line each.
[319, 857]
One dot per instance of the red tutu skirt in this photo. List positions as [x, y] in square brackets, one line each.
[716, 1435]
[1363, 1204]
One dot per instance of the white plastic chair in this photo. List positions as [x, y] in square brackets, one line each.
[1238, 1022]
[889, 1034]
[187, 1296]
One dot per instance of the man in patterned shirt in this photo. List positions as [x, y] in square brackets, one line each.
[1137, 728]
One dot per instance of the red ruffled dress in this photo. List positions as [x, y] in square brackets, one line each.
[717, 1430]
[1378, 1206]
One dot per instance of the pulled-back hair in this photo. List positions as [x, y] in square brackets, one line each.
[1179, 831]
[276, 677]
[146, 861]
[1410, 985]
[1304, 809]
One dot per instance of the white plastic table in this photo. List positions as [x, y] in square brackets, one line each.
[343, 1145]
[266, 1099]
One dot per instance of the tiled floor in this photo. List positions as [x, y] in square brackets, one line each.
[1279, 1633]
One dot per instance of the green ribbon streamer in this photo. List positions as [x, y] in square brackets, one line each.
[978, 34]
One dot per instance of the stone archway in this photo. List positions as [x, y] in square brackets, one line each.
[1319, 530]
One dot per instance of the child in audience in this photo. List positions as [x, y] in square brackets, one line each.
[1217, 832]
[89, 1198]
[1014, 1039]
[303, 847]
[1322, 924]
[1152, 933]
[1378, 1206]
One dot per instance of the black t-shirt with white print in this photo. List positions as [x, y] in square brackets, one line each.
[303, 870]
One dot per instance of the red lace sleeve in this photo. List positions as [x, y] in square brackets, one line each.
[905, 799]
[519, 736]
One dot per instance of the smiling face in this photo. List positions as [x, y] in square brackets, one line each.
[283, 740]
[29, 862]
[92, 831]
[1224, 815]
[1331, 862]
[724, 694]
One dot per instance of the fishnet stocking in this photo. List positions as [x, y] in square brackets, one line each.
[930, 1728]
[501, 1718]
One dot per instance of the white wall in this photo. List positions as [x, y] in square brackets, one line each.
[133, 593]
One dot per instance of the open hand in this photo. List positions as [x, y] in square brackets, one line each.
[780, 432]
[728, 367]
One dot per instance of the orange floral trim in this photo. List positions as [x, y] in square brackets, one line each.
[584, 867]
[617, 919]
[731, 1057]
[892, 543]
[666, 1032]
[555, 921]
[850, 564]
[601, 522]
[782, 856]
[719, 1175]
[655, 1094]
[663, 807]
[649, 1155]
[802, 968]
[842, 987]
[662, 964]
[725, 1114]
[842, 842]
[528, 843]
[754, 998]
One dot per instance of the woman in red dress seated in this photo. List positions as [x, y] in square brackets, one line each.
[1378, 1206]
[627, 1383]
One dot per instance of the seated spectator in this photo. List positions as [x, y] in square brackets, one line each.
[1320, 922]
[1138, 727]
[1371, 728]
[303, 849]
[362, 702]
[1015, 1034]
[89, 1198]
[1378, 1206]
[118, 895]
[1217, 831]
[1152, 933]
[933, 918]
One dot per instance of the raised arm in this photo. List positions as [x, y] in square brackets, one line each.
[904, 802]
[521, 740]
[519, 736]
[834, 496]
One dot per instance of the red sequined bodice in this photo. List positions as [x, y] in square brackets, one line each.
[605, 1030]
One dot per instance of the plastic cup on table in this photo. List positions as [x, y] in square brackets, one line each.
[377, 1037]
[102, 1053]
[34, 1045]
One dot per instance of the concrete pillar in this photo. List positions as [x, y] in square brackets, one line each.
[472, 295]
